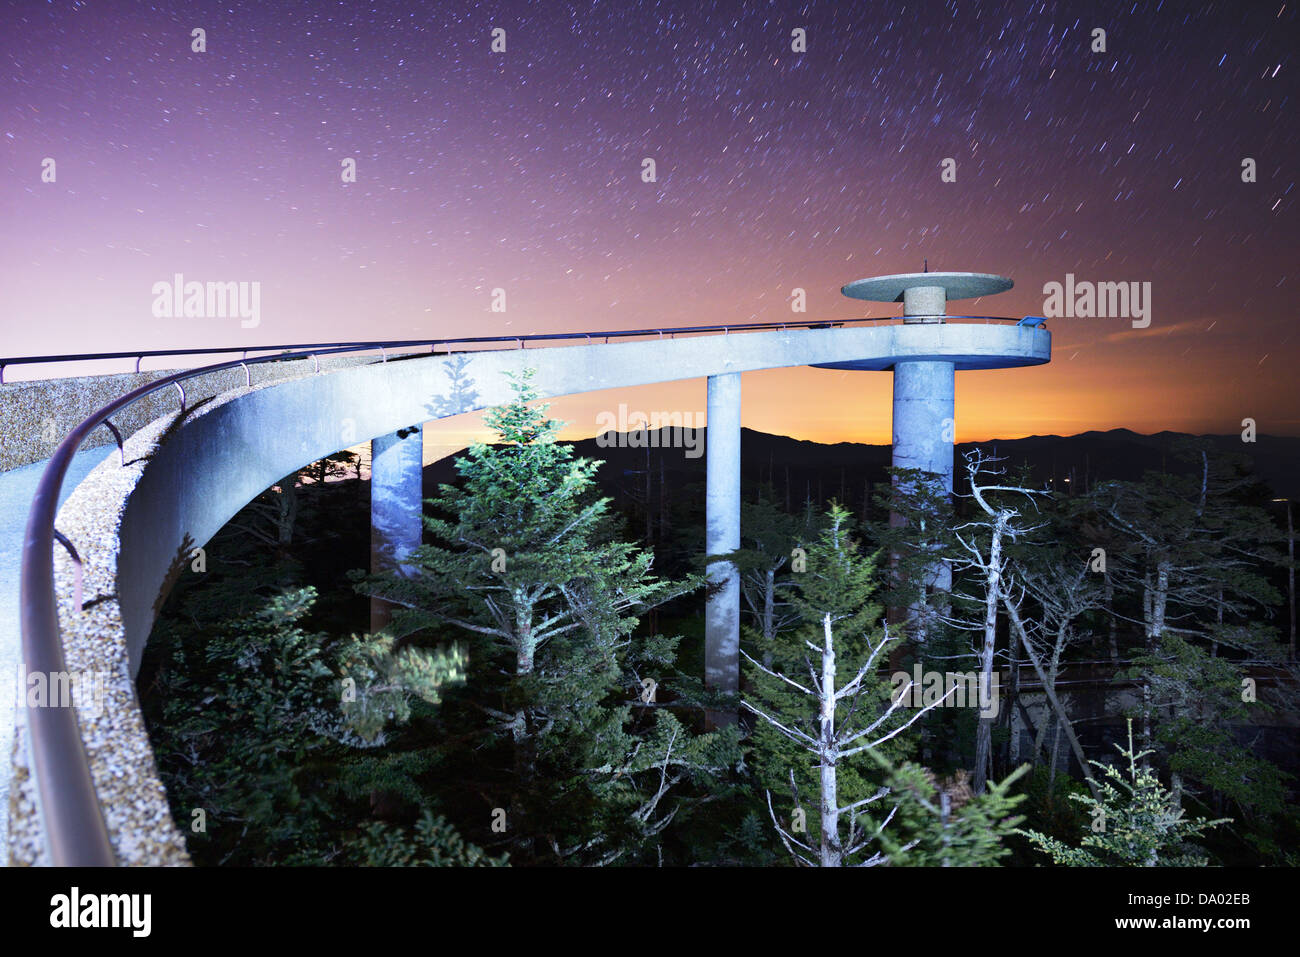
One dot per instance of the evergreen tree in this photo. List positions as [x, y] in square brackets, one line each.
[256, 715]
[766, 561]
[917, 537]
[1195, 557]
[432, 842]
[1135, 822]
[525, 565]
[942, 822]
[832, 720]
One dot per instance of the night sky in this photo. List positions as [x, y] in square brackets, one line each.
[776, 169]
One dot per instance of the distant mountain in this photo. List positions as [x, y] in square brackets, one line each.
[800, 469]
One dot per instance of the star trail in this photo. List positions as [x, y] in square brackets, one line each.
[775, 169]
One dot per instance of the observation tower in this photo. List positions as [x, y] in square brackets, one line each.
[929, 350]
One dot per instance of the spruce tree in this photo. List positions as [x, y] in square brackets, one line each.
[525, 565]
[1195, 559]
[254, 720]
[1135, 822]
[823, 697]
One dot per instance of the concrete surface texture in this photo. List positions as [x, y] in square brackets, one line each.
[722, 518]
[955, 285]
[396, 506]
[36, 415]
[16, 489]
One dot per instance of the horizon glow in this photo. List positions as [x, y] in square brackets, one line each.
[775, 170]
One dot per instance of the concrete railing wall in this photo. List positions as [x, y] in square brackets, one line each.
[36, 415]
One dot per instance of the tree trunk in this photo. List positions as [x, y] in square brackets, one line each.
[769, 601]
[649, 515]
[1214, 645]
[1110, 619]
[1053, 672]
[992, 585]
[663, 502]
[1156, 600]
[1290, 575]
[1013, 703]
[945, 815]
[288, 509]
[831, 850]
[521, 733]
[1056, 753]
[1013, 614]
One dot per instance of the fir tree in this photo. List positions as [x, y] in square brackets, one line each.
[256, 715]
[767, 561]
[917, 537]
[1195, 556]
[1135, 822]
[525, 565]
[835, 721]
[942, 822]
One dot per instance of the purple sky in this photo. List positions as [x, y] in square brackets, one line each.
[775, 169]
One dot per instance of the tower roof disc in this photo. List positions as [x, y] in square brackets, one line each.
[956, 285]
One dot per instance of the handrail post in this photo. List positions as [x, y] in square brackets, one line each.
[78, 574]
[121, 452]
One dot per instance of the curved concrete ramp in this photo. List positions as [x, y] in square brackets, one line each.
[186, 475]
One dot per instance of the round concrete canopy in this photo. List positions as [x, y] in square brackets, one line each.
[956, 285]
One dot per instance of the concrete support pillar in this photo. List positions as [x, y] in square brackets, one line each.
[924, 425]
[396, 506]
[924, 429]
[722, 504]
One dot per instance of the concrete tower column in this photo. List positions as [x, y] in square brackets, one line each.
[924, 426]
[722, 505]
[396, 506]
[924, 301]
[924, 423]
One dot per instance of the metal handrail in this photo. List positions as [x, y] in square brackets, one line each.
[73, 820]
[72, 817]
[484, 340]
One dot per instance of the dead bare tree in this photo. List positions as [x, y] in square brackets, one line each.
[1064, 591]
[982, 545]
[833, 744]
